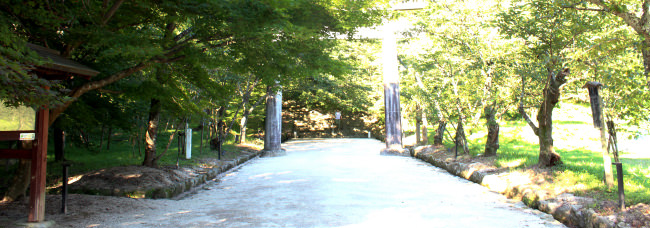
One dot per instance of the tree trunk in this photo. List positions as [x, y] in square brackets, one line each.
[108, 139]
[101, 139]
[59, 143]
[440, 132]
[492, 142]
[242, 127]
[220, 136]
[460, 138]
[244, 120]
[21, 179]
[645, 51]
[547, 155]
[150, 159]
[202, 130]
[418, 124]
[425, 136]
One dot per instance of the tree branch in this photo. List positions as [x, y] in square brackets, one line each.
[109, 14]
[522, 111]
[583, 9]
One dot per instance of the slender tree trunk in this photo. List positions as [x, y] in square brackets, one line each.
[108, 139]
[140, 140]
[418, 124]
[242, 124]
[101, 139]
[645, 51]
[244, 119]
[151, 134]
[21, 179]
[59, 143]
[440, 132]
[202, 130]
[221, 125]
[460, 138]
[492, 142]
[425, 133]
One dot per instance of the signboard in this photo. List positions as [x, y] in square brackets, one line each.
[27, 136]
[188, 142]
[337, 115]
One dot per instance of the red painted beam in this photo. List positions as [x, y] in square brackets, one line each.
[39, 166]
[13, 153]
[12, 135]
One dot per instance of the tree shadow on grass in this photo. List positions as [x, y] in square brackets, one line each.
[582, 170]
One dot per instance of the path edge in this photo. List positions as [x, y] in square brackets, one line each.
[569, 214]
[170, 191]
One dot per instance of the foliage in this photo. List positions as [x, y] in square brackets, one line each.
[350, 87]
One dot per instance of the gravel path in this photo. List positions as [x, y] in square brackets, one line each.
[328, 183]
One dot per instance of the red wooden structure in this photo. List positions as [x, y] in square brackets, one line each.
[56, 68]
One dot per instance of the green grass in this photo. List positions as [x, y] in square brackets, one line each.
[578, 144]
[122, 153]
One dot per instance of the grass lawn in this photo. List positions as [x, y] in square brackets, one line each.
[578, 143]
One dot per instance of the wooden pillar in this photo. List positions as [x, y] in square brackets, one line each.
[273, 126]
[39, 166]
[599, 123]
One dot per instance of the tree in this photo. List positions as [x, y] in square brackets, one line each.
[550, 36]
[469, 59]
[633, 13]
[124, 38]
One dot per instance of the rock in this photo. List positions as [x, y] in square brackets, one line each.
[494, 183]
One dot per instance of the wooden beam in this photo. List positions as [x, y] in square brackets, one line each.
[12, 135]
[39, 166]
[13, 153]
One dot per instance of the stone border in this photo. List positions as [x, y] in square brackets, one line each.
[566, 208]
[175, 189]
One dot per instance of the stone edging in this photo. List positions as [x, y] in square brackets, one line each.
[176, 189]
[560, 208]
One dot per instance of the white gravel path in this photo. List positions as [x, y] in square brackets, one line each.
[330, 183]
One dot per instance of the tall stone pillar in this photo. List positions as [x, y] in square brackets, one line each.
[392, 111]
[273, 132]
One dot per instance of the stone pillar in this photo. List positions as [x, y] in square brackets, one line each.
[272, 136]
[391, 94]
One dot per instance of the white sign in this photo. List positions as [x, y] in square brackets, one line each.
[337, 115]
[27, 136]
[188, 143]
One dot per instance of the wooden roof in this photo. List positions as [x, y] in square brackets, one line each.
[57, 66]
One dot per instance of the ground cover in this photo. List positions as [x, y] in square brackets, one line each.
[123, 153]
[578, 143]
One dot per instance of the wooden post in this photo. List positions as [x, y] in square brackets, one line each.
[597, 114]
[39, 165]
